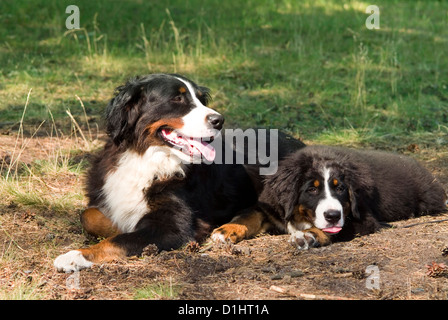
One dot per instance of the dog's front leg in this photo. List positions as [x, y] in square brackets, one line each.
[167, 230]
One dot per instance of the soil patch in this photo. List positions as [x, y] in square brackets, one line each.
[403, 262]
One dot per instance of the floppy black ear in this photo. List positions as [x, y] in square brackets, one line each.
[359, 181]
[353, 203]
[204, 95]
[281, 190]
[123, 111]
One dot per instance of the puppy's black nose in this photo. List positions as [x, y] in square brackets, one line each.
[216, 120]
[332, 216]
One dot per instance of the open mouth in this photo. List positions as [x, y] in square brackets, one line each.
[192, 146]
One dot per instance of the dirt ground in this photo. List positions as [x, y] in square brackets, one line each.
[408, 261]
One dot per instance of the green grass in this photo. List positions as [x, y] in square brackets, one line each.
[309, 67]
[159, 290]
[43, 191]
[23, 291]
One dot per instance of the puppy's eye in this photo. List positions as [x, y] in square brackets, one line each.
[340, 189]
[312, 190]
[178, 99]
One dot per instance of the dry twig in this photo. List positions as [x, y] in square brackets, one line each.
[307, 296]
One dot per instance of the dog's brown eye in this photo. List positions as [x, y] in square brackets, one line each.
[312, 190]
[340, 189]
[177, 99]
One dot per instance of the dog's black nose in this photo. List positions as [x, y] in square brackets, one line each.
[216, 120]
[332, 216]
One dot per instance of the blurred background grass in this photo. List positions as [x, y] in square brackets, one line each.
[311, 68]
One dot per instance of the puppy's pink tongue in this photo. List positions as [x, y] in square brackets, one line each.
[332, 230]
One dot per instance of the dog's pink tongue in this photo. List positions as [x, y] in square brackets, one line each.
[204, 148]
[332, 229]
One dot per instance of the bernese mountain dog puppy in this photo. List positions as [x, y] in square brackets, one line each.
[322, 194]
[150, 185]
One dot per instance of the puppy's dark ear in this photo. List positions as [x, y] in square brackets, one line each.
[359, 183]
[353, 204]
[123, 111]
[281, 190]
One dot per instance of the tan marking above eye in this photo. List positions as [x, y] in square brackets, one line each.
[316, 183]
[182, 90]
[335, 182]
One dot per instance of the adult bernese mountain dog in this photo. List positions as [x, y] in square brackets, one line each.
[155, 181]
[322, 194]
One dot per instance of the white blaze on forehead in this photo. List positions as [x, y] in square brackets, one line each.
[195, 122]
[327, 203]
[190, 88]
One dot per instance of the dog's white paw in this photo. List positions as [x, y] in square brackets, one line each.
[219, 238]
[302, 240]
[230, 232]
[71, 261]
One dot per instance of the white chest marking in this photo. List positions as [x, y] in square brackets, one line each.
[125, 202]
